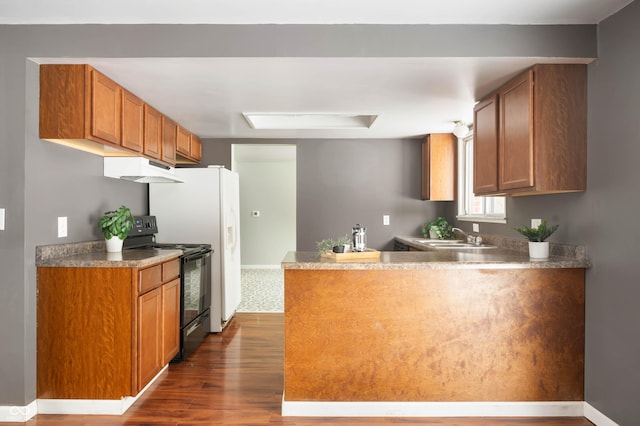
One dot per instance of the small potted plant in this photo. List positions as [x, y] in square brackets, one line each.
[438, 228]
[115, 226]
[538, 246]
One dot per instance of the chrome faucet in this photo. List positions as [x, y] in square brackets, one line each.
[476, 240]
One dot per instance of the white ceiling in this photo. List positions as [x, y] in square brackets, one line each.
[308, 11]
[413, 96]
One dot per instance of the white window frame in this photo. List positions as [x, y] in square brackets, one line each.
[466, 197]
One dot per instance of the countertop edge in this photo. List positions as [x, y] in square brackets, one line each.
[92, 254]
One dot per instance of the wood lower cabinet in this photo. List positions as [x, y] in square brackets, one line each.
[104, 333]
[531, 134]
[439, 167]
[170, 317]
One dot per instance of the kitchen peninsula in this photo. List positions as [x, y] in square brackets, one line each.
[421, 333]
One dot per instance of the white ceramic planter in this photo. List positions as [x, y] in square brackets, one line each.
[114, 244]
[539, 250]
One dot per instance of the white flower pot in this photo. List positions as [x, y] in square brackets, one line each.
[539, 250]
[114, 244]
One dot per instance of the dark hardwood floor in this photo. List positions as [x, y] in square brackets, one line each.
[235, 378]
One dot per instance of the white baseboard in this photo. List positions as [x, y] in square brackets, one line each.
[92, 406]
[13, 413]
[596, 417]
[432, 409]
[260, 267]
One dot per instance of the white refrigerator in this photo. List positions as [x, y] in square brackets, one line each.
[204, 209]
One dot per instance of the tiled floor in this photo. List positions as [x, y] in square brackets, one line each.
[262, 290]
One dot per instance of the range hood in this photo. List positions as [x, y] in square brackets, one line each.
[138, 169]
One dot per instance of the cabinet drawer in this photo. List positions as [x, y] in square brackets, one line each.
[149, 279]
[170, 270]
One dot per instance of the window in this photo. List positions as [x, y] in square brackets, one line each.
[470, 207]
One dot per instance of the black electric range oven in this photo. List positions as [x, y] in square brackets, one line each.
[195, 282]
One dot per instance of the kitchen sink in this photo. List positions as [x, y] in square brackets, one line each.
[457, 245]
[428, 241]
[450, 244]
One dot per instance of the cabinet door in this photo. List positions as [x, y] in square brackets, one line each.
[485, 146]
[149, 336]
[516, 134]
[152, 132]
[169, 137]
[196, 148]
[104, 108]
[132, 119]
[183, 144]
[439, 167]
[170, 320]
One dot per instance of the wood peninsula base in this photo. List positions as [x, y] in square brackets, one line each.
[435, 336]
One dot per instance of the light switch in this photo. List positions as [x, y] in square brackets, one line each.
[385, 219]
[535, 222]
[476, 227]
[62, 227]
[1, 219]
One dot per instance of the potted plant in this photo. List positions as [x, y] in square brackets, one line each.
[538, 246]
[115, 226]
[438, 228]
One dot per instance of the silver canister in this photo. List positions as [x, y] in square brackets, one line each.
[359, 238]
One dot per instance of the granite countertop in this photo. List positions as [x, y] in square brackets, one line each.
[506, 255]
[93, 254]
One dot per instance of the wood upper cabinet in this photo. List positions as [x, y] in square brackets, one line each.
[439, 167]
[152, 132]
[196, 148]
[515, 143]
[104, 333]
[104, 108]
[132, 121]
[189, 147]
[183, 145]
[535, 126]
[84, 109]
[169, 137]
[485, 146]
[81, 107]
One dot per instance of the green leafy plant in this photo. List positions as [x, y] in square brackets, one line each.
[116, 223]
[328, 243]
[440, 227]
[538, 234]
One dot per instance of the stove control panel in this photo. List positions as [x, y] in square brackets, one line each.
[144, 225]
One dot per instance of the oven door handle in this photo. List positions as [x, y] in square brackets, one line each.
[195, 256]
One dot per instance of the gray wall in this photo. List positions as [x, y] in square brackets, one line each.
[39, 181]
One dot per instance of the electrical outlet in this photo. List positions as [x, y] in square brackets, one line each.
[62, 227]
[476, 227]
[1, 219]
[535, 222]
[385, 219]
